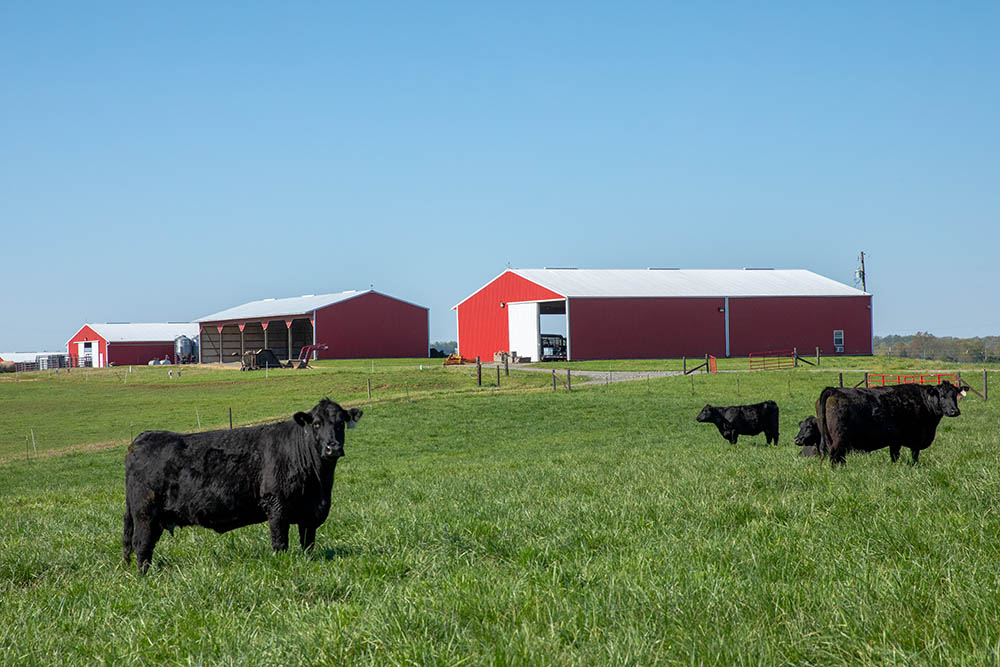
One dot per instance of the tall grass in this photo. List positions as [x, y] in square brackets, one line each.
[603, 526]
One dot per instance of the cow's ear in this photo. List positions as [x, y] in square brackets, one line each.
[302, 418]
[355, 417]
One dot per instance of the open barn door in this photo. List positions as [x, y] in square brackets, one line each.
[523, 328]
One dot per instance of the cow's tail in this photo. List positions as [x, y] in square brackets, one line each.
[127, 534]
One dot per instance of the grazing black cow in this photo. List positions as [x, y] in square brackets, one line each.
[808, 437]
[281, 473]
[899, 416]
[736, 420]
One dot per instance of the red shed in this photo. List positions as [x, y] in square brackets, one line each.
[124, 343]
[353, 324]
[664, 313]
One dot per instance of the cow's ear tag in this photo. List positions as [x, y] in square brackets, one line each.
[964, 393]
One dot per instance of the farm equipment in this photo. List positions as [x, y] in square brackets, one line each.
[454, 360]
[306, 353]
[255, 360]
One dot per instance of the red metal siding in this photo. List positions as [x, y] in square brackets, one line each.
[482, 323]
[87, 334]
[372, 326]
[135, 353]
[780, 323]
[646, 328]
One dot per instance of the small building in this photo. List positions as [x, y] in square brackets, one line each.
[664, 313]
[126, 343]
[352, 324]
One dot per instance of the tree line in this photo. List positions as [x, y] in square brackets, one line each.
[923, 345]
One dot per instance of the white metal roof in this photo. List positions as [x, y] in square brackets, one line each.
[295, 305]
[620, 283]
[134, 332]
[26, 357]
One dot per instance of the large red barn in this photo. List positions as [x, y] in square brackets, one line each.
[353, 325]
[665, 313]
[124, 343]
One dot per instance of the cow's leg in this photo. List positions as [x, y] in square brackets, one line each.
[916, 455]
[147, 532]
[894, 452]
[127, 535]
[307, 536]
[279, 531]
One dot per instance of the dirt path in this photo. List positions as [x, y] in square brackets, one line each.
[597, 377]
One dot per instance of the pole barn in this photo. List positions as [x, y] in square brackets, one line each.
[124, 343]
[664, 313]
[353, 325]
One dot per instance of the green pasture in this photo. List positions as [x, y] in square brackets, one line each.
[510, 526]
[100, 407]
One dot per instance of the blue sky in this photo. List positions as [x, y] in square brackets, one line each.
[166, 161]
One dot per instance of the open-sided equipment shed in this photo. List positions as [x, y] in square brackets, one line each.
[353, 324]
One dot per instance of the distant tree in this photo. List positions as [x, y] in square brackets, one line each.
[445, 346]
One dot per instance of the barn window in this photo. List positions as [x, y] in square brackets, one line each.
[838, 340]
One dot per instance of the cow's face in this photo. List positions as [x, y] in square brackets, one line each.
[705, 415]
[947, 395]
[808, 432]
[326, 424]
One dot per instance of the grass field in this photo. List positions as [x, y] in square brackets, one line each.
[602, 526]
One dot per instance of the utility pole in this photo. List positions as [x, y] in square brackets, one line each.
[861, 273]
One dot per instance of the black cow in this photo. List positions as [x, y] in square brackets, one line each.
[281, 473]
[808, 437]
[899, 416]
[736, 420]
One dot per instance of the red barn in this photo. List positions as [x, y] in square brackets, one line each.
[664, 313]
[124, 343]
[353, 325]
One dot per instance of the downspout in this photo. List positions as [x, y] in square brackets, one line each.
[727, 326]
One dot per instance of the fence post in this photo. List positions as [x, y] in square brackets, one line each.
[817, 356]
[369, 389]
[479, 372]
[841, 380]
[569, 381]
[498, 375]
[553, 379]
[707, 369]
[684, 360]
[986, 392]
[795, 357]
[230, 417]
[737, 385]
[866, 379]
[506, 364]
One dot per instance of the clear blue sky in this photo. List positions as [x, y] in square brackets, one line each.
[168, 160]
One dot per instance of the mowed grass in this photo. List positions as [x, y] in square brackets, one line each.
[603, 526]
[111, 405]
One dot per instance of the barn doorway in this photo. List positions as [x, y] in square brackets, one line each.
[537, 330]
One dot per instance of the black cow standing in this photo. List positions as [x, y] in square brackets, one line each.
[895, 417]
[281, 473]
[736, 420]
[808, 437]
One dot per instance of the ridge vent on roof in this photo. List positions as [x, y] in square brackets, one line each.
[662, 268]
[270, 298]
[304, 296]
[758, 268]
[560, 268]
